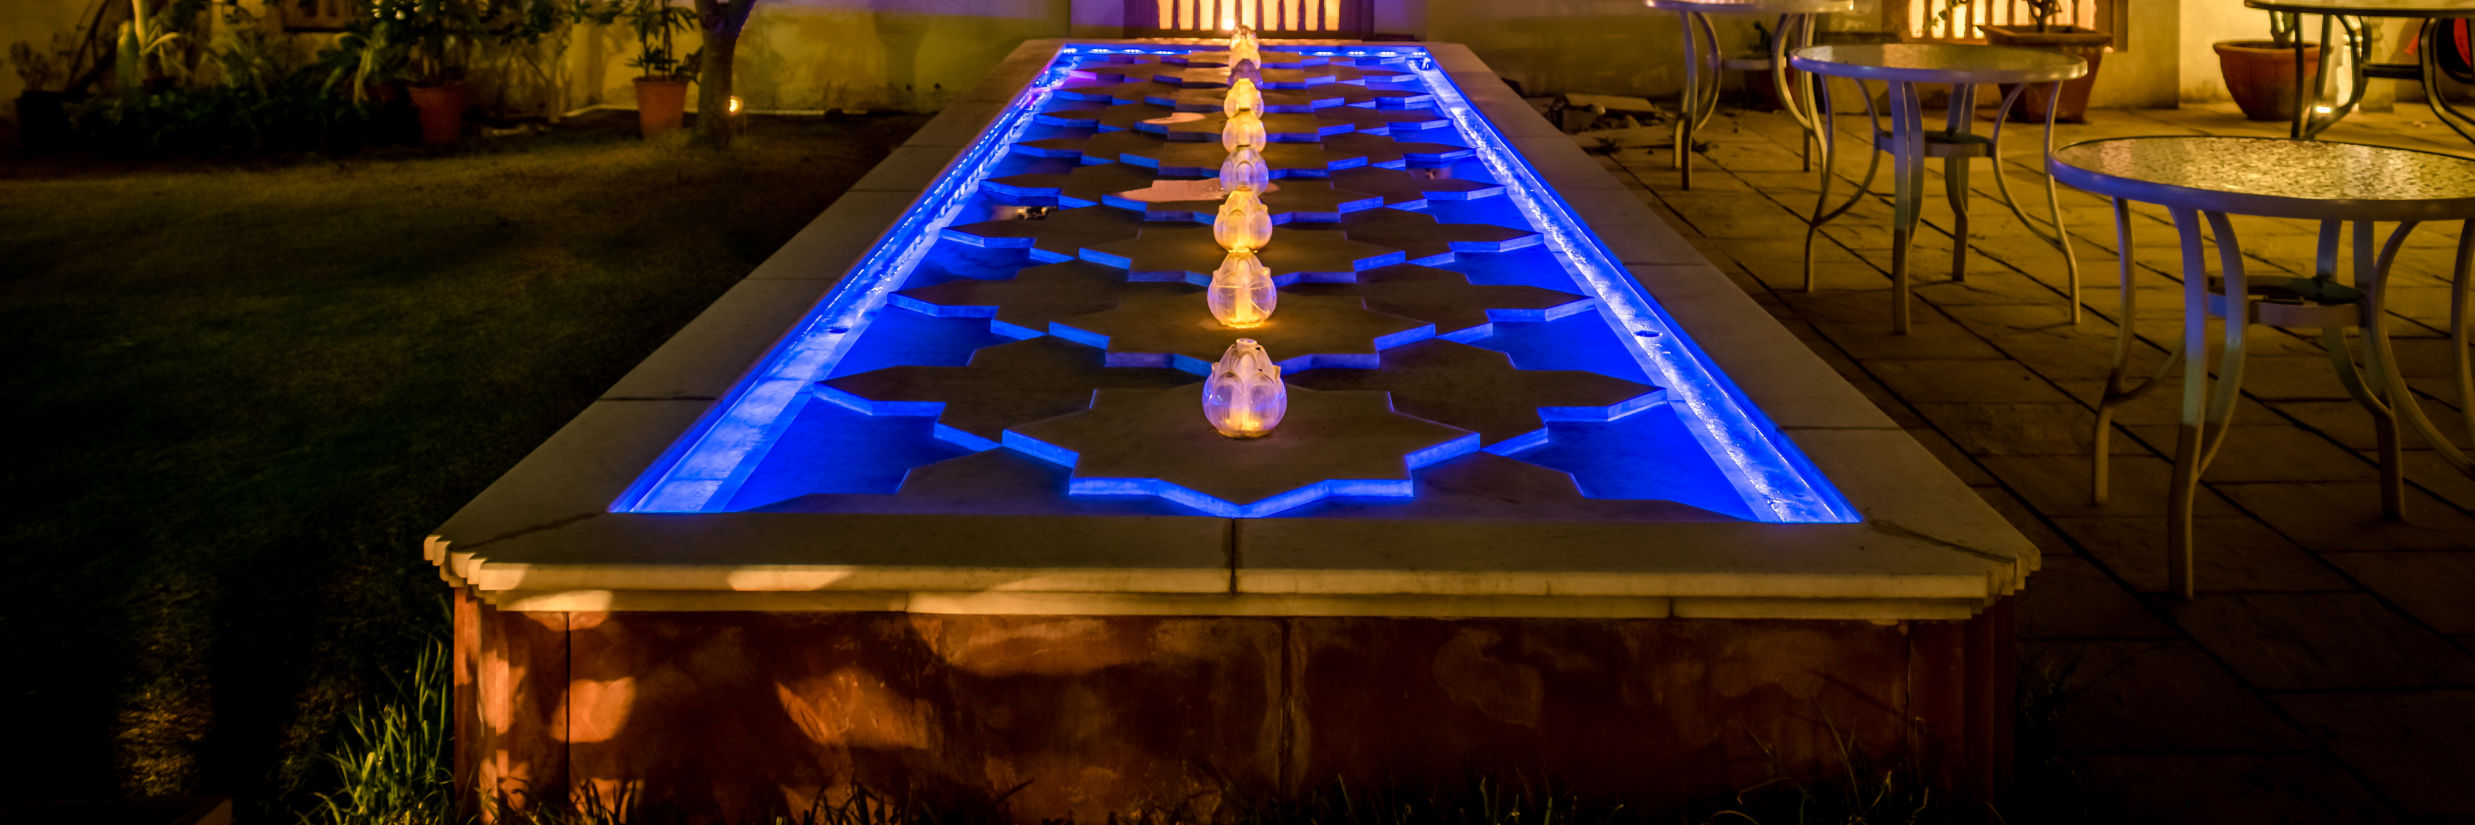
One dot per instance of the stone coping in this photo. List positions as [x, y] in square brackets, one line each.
[542, 537]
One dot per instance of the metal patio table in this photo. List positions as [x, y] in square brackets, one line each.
[1901, 66]
[1705, 61]
[2341, 185]
[2340, 15]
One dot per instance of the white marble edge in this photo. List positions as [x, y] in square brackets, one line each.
[553, 504]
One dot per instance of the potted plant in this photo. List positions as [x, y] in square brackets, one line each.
[436, 38]
[2090, 44]
[42, 111]
[2260, 74]
[662, 74]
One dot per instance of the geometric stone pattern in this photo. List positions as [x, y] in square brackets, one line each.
[1024, 305]
[1195, 158]
[1055, 236]
[1166, 325]
[1478, 389]
[1003, 386]
[1184, 251]
[1425, 241]
[1411, 190]
[1156, 443]
[1288, 200]
[1460, 310]
[1372, 335]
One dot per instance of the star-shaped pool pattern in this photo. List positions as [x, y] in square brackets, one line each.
[1168, 325]
[1424, 240]
[1479, 389]
[1022, 306]
[1460, 310]
[1156, 443]
[1186, 252]
[1067, 355]
[1059, 236]
[1198, 200]
[1003, 386]
[1195, 158]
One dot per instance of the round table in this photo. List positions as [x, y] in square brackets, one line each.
[1703, 67]
[2336, 15]
[2203, 179]
[1900, 66]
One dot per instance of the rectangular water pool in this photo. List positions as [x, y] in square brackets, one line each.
[1416, 168]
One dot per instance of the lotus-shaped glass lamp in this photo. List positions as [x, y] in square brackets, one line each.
[1246, 68]
[1243, 129]
[1244, 397]
[1242, 295]
[1243, 97]
[1244, 50]
[1243, 223]
[1245, 170]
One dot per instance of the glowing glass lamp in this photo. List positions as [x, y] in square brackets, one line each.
[1245, 170]
[1242, 50]
[1243, 97]
[1243, 223]
[1244, 397]
[1247, 69]
[1243, 129]
[1242, 295]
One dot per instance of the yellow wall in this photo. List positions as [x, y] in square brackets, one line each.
[847, 54]
[34, 21]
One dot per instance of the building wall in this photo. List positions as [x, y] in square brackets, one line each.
[34, 22]
[846, 54]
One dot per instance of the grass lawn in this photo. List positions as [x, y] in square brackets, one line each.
[245, 395]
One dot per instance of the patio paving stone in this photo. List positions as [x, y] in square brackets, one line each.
[2411, 746]
[2437, 588]
[2322, 641]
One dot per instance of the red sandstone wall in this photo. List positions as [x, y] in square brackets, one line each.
[737, 713]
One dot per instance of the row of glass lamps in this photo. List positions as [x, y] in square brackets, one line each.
[1244, 396]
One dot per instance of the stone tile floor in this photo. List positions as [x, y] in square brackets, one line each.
[2324, 672]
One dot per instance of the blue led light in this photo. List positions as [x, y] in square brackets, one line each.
[703, 469]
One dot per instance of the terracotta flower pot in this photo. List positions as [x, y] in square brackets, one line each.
[661, 105]
[2089, 44]
[2260, 74]
[442, 111]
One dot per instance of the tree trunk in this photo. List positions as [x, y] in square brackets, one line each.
[722, 20]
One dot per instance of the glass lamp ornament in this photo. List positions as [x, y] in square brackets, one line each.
[1248, 69]
[1242, 129]
[1242, 50]
[1243, 97]
[1243, 223]
[1245, 169]
[1244, 397]
[1244, 36]
[1242, 295]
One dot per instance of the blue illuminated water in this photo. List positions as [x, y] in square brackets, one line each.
[769, 441]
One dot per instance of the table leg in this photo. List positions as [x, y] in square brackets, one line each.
[2207, 410]
[2433, 94]
[1908, 173]
[1828, 139]
[2059, 238]
[1795, 88]
[2381, 392]
[1685, 116]
[2463, 273]
[1961, 117]
[2117, 391]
